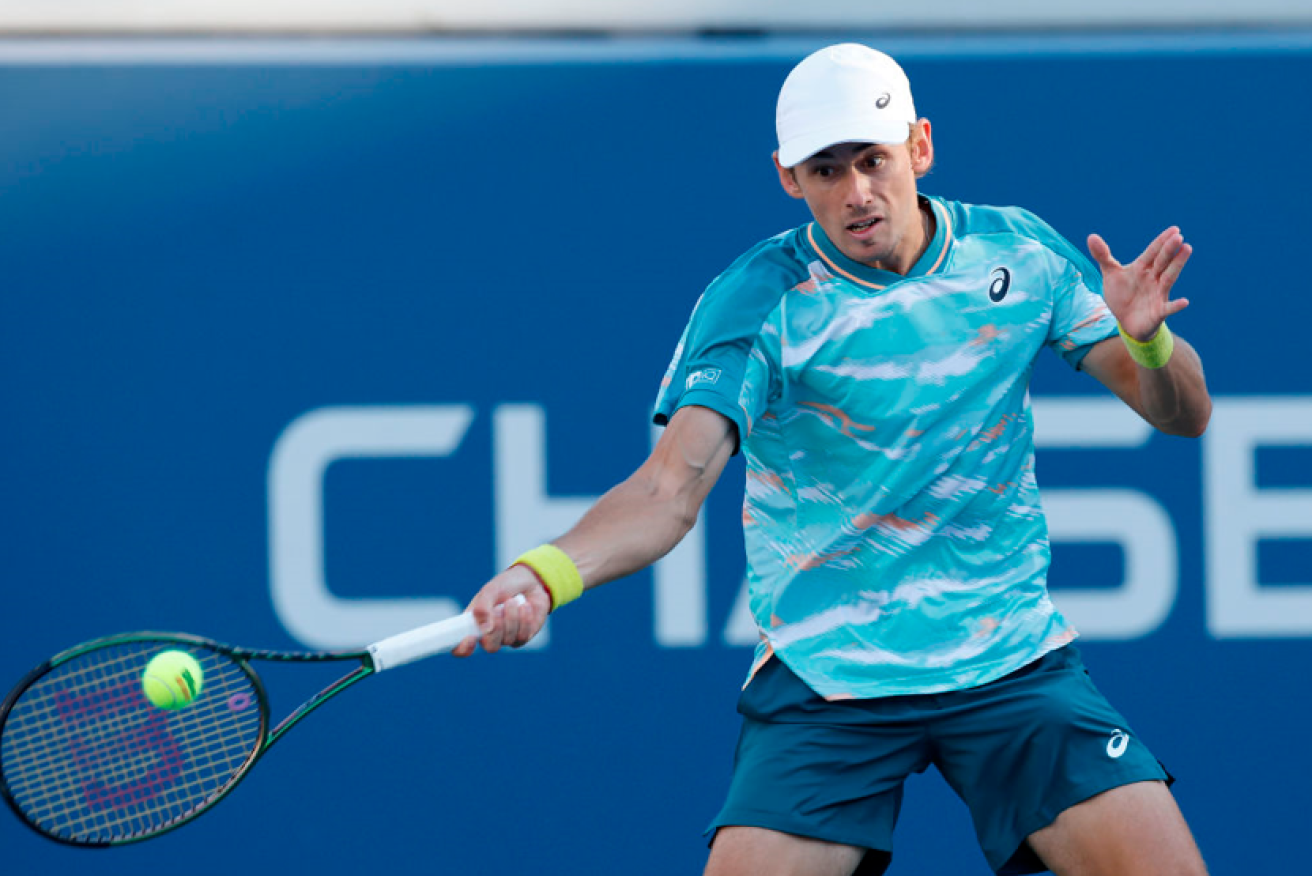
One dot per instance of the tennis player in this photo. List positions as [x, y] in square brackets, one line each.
[873, 367]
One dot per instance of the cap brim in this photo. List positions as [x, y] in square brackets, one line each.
[802, 147]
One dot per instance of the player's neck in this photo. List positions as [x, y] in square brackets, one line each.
[922, 236]
[927, 227]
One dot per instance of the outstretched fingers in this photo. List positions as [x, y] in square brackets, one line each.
[1170, 271]
[1160, 250]
[1102, 253]
[1174, 306]
[1163, 249]
[1161, 262]
[1139, 293]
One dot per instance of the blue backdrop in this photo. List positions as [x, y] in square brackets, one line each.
[223, 285]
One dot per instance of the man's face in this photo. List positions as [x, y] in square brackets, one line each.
[864, 197]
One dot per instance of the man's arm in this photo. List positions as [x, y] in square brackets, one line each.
[1173, 397]
[630, 527]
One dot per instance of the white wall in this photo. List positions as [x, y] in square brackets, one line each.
[74, 16]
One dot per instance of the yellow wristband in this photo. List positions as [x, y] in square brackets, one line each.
[1150, 354]
[556, 571]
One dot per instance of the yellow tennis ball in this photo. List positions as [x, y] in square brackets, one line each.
[172, 680]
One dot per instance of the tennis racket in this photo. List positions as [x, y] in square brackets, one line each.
[86, 759]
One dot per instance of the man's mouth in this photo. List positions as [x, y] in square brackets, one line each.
[863, 225]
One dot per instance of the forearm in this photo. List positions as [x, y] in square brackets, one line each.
[628, 529]
[1174, 398]
[644, 517]
[1164, 385]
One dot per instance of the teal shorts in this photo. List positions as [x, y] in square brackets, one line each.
[1018, 751]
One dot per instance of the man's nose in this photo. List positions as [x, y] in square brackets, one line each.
[860, 190]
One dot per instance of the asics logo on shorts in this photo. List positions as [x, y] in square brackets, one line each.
[1118, 743]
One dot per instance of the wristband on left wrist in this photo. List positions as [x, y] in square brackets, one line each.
[1150, 354]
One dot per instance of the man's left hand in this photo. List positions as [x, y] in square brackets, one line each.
[1139, 294]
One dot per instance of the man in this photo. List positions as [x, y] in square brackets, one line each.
[874, 364]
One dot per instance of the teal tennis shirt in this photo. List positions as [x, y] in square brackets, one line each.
[895, 539]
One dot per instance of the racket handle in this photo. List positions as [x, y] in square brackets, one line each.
[425, 641]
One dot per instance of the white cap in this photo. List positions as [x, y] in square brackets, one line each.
[846, 93]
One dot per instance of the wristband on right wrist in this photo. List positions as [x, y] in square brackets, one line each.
[556, 571]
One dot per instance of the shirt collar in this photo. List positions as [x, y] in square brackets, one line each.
[875, 278]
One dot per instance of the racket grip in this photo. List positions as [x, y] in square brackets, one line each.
[425, 641]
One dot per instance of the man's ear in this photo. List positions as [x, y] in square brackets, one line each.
[787, 178]
[922, 149]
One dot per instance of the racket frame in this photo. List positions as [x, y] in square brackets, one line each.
[242, 657]
[388, 653]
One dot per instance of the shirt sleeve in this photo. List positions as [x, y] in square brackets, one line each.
[710, 367]
[1080, 317]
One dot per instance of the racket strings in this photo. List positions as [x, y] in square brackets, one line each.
[88, 758]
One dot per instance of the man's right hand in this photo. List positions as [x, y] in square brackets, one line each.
[503, 621]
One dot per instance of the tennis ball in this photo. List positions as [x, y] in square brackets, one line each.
[172, 680]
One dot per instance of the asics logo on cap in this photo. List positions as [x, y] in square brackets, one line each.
[883, 100]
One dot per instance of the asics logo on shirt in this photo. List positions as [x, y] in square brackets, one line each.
[706, 375]
[1118, 743]
[1001, 283]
